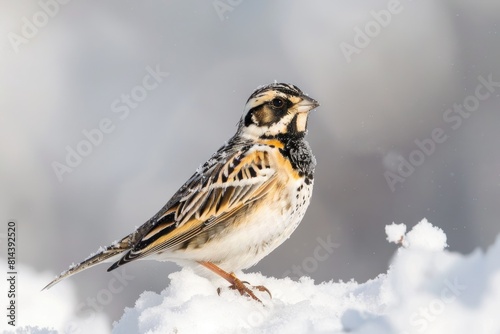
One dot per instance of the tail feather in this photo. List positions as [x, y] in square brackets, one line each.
[126, 258]
[103, 255]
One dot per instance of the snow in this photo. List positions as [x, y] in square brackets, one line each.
[425, 290]
[395, 232]
[426, 236]
[49, 312]
[423, 235]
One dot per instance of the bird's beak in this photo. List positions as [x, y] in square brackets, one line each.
[307, 104]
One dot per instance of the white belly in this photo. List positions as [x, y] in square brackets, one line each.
[245, 244]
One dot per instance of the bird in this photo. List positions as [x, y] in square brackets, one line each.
[238, 206]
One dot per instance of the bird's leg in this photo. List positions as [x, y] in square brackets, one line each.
[236, 283]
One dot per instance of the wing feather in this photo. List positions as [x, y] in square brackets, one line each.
[207, 200]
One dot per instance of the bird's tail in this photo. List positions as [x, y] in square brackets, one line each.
[104, 254]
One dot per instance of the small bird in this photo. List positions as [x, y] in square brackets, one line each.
[241, 204]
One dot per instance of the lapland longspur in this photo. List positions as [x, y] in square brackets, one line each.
[241, 204]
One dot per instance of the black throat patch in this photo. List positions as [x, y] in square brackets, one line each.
[297, 150]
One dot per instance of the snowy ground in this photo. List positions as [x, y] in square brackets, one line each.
[43, 313]
[425, 290]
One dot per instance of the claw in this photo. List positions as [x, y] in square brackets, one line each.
[242, 288]
[263, 289]
[258, 287]
[236, 284]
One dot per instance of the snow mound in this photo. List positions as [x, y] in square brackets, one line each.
[395, 233]
[426, 290]
[44, 312]
[423, 235]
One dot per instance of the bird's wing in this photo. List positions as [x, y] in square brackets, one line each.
[211, 197]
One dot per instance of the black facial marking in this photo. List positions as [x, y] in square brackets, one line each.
[271, 111]
[249, 115]
[266, 114]
[281, 87]
[292, 126]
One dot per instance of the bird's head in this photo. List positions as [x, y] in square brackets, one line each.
[276, 109]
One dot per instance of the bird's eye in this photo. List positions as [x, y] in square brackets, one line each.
[277, 102]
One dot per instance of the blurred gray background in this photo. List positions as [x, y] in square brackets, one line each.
[395, 89]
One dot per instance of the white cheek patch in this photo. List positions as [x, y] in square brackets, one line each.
[279, 127]
[253, 132]
[302, 122]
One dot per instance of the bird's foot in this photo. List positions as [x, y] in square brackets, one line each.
[236, 283]
[242, 288]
